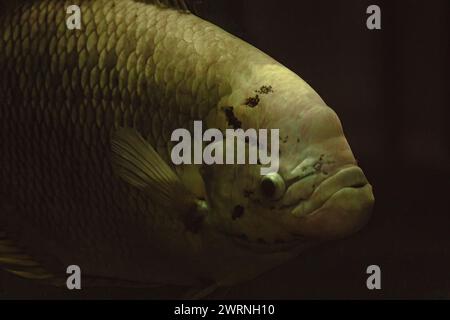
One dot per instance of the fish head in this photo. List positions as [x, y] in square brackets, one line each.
[327, 194]
[318, 192]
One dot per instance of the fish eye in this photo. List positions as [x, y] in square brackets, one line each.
[272, 186]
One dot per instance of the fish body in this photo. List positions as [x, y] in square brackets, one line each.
[66, 94]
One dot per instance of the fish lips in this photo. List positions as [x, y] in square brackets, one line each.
[339, 206]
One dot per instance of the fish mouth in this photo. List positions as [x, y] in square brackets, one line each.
[349, 177]
[339, 206]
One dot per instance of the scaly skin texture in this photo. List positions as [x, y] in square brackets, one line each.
[65, 92]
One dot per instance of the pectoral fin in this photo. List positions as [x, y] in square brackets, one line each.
[136, 162]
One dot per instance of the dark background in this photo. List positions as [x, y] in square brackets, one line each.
[390, 88]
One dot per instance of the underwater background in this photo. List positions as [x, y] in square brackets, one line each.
[390, 88]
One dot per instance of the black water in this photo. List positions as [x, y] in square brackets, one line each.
[391, 90]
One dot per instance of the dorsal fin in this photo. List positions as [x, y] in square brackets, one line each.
[226, 14]
[189, 6]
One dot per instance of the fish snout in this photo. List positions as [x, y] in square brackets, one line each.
[339, 206]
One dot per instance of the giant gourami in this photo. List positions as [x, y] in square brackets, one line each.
[86, 177]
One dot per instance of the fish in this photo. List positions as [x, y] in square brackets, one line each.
[86, 177]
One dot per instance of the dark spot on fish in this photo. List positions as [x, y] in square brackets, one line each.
[238, 212]
[285, 139]
[193, 221]
[252, 101]
[268, 188]
[298, 140]
[317, 166]
[264, 90]
[231, 118]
